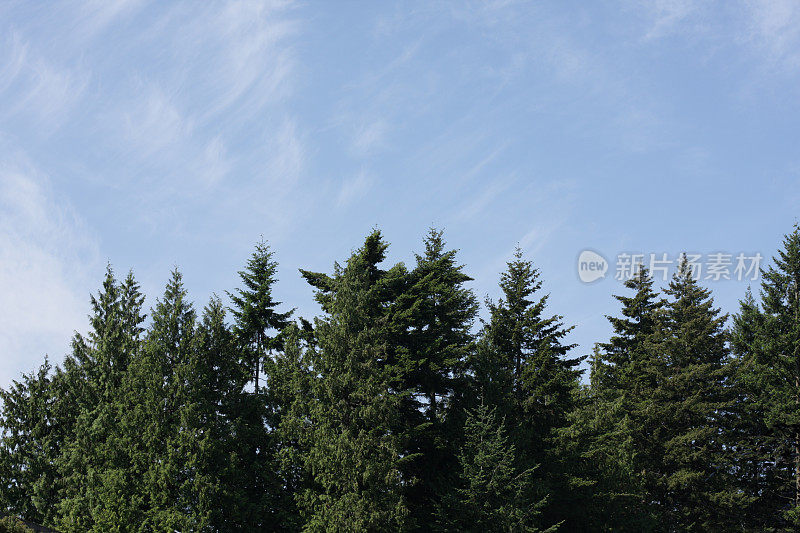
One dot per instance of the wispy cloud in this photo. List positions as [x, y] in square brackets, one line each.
[36, 88]
[666, 15]
[47, 256]
[354, 189]
[153, 122]
[774, 30]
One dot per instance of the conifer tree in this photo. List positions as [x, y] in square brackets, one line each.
[353, 455]
[258, 325]
[254, 309]
[431, 319]
[689, 480]
[491, 493]
[767, 342]
[95, 372]
[609, 429]
[528, 346]
[289, 392]
[156, 392]
[213, 378]
[760, 478]
[30, 442]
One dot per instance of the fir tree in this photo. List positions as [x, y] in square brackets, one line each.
[491, 493]
[610, 429]
[353, 455]
[213, 378]
[431, 319]
[30, 442]
[95, 371]
[254, 309]
[258, 325]
[689, 481]
[767, 342]
[754, 443]
[155, 394]
[528, 346]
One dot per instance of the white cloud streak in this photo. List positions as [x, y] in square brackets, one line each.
[47, 256]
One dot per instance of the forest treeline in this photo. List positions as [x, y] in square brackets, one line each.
[398, 409]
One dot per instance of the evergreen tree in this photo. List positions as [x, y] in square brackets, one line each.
[213, 378]
[13, 525]
[254, 309]
[431, 320]
[528, 346]
[688, 479]
[156, 392]
[610, 429]
[767, 343]
[289, 392]
[30, 442]
[491, 493]
[353, 455]
[258, 325]
[755, 445]
[95, 372]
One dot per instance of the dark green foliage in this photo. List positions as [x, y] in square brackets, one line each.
[13, 525]
[611, 430]
[352, 454]
[491, 493]
[391, 413]
[431, 319]
[255, 310]
[689, 482]
[31, 442]
[522, 366]
[766, 343]
[93, 458]
[257, 328]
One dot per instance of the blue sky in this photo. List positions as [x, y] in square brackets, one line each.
[154, 134]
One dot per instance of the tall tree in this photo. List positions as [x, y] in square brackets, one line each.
[353, 455]
[491, 492]
[689, 476]
[290, 387]
[760, 477]
[609, 430]
[95, 372]
[431, 318]
[767, 343]
[156, 393]
[528, 345]
[258, 325]
[30, 443]
[213, 378]
[255, 311]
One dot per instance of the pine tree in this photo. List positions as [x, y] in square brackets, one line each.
[289, 391]
[94, 375]
[767, 342]
[491, 493]
[528, 346]
[213, 379]
[152, 424]
[258, 325]
[689, 481]
[753, 441]
[30, 442]
[254, 309]
[610, 429]
[431, 320]
[13, 525]
[352, 454]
